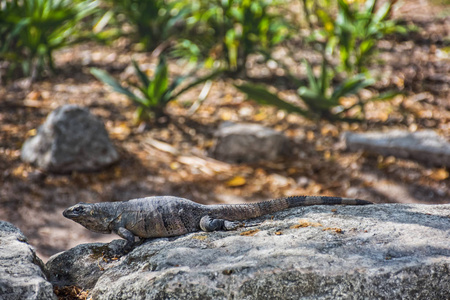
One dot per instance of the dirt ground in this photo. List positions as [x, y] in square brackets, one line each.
[418, 65]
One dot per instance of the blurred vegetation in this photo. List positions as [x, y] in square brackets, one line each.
[151, 95]
[30, 30]
[353, 32]
[218, 34]
[229, 31]
[153, 22]
[321, 99]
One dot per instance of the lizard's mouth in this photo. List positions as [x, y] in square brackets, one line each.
[66, 213]
[75, 211]
[69, 214]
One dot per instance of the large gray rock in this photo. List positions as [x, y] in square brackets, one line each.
[75, 267]
[21, 275]
[425, 146]
[71, 139]
[248, 143]
[386, 251]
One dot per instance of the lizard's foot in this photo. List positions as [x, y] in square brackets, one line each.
[209, 224]
[116, 249]
[228, 225]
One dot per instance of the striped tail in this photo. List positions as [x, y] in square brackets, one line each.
[254, 210]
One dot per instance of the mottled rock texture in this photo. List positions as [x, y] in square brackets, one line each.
[71, 139]
[385, 251]
[21, 275]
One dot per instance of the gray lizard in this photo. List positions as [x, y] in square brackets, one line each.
[165, 216]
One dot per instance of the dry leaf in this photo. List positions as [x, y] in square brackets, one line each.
[97, 187]
[278, 233]
[315, 188]
[236, 181]
[34, 95]
[31, 132]
[348, 101]
[329, 130]
[162, 146]
[292, 171]
[207, 165]
[32, 103]
[385, 162]
[175, 165]
[120, 132]
[310, 135]
[305, 223]
[71, 292]
[200, 237]
[117, 172]
[19, 171]
[439, 174]
[226, 116]
[337, 230]
[399, 82]
[228, 98]
[250, 232]
[260, 117]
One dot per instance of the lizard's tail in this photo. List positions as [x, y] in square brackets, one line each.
[254, 210]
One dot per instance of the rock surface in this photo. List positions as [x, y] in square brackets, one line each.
[75, 267]
[425, 146]
[248, 143]
[385, 251]
[21, 275]
[71, 139]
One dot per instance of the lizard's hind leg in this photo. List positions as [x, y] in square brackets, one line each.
[209, 224]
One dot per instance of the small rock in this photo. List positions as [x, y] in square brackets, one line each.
[249, 143]
[303, 181]
[71, 139]
[425, 146]
[21, 271]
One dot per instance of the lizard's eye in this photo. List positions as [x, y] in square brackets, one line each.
[78, 209]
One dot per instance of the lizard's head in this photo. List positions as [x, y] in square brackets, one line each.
[88, 215]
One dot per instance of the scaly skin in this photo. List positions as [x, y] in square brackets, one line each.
[164, 216]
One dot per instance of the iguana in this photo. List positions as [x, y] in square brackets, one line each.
[165, 216]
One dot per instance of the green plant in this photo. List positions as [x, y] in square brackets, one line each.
[354, 31]
[321, 99]
[231, 30]
[153, 94]
[311, 6]
[153, 22]
[31, 30]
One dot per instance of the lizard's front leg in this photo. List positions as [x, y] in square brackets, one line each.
[127, 235]
[114, 252]
[209, 224]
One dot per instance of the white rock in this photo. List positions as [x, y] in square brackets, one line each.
[249, 143]
[425, 146]
[71, 139]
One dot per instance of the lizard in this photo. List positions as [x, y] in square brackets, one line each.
[166, 216]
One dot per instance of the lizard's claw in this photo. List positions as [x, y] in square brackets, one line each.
[116, 249]
[229, 225]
